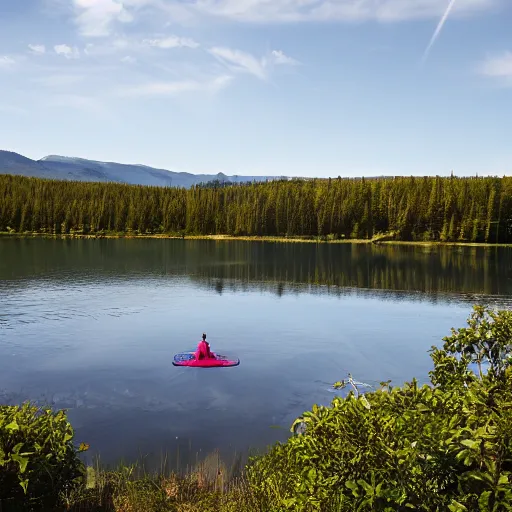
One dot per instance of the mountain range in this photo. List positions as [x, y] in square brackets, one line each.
[80, 169]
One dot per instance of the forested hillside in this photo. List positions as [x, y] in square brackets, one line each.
[444, 209]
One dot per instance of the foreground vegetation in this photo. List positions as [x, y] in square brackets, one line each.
[452, 209]
[443, 446]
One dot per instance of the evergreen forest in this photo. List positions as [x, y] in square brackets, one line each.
[442, 209]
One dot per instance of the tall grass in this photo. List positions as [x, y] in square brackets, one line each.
[208, 486]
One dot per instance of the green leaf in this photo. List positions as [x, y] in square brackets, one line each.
[24, 485]
[455, 506]
[470, 444]
[83, 447]
[503, 480]
[17, 448]
[366, 486]
[353, 487]
[12, 426]
[462, 454]
[365, 402]
[483, 501]
[22, 461]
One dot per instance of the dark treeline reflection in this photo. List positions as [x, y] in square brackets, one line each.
[277, 266]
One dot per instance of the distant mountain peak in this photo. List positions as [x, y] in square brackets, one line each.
[59, 158]
[62, 158]
[4, 154]
[80, 169]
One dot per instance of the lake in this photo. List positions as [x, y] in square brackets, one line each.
[92, 326]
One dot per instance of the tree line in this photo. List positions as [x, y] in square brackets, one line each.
[411, 208]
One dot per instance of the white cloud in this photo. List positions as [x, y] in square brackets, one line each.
[242, 62]
[499, 66]
[116, 48]
[129, 59]
[6, 62]
[177, 87]
[172, 42]
[95, 17]
[67, 51]
[105, 49]
[279, 57]
[237, 60]
[331, 10]
[129, 46]
[38, 49]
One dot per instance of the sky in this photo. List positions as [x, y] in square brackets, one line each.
[261, 87]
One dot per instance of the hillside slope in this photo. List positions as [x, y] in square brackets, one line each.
[80, 169]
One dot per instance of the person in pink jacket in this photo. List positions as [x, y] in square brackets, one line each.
[203, 349]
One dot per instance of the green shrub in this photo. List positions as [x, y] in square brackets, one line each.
[441, 447]
[446, 446]
[37, 458]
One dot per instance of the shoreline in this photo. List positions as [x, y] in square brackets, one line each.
[243, 238]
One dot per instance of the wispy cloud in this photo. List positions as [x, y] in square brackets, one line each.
[38, 49]
[105, 49]
[172, 42]
[95, 17]
[67, 51]
[286, 11]
[499, 67]
[243, 62]
[6, 62]
[131, 46]
[128, 59]
[177, 87]
[280, 58]
[437, 32]
[239, 61]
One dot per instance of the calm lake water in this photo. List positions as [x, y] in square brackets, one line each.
[92, 326]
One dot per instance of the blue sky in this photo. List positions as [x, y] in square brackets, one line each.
[274, 87]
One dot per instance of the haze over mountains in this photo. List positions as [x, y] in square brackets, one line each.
[80, 169]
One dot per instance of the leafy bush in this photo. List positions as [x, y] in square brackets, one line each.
[440, 447]
[447, 446]
[37, 458]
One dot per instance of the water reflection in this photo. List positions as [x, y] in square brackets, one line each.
[280, 267]
[91, 325]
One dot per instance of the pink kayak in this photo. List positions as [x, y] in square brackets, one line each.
[189, 359]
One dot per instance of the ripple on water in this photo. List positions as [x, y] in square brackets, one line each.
[56, 303]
